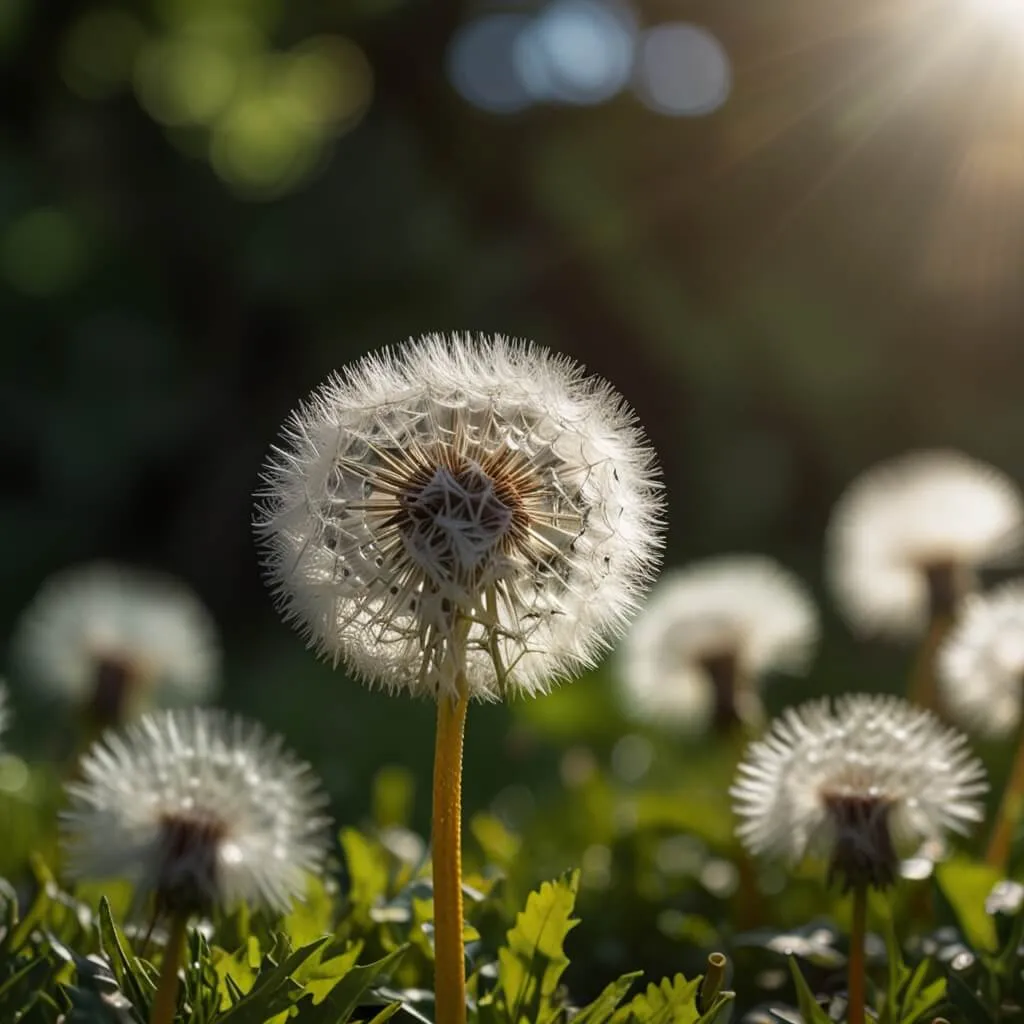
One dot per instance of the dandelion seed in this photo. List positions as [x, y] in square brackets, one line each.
[907, 536]
[981, 665]
[483, 494]
[856, 784]
[197, 809]
[709, 632]
[115, 640]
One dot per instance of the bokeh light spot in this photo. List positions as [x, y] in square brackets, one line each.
[260, 147]
[481, 63]
[100, 51]
[186, 79]
[682, 70]
[330, 82]
[42, 252]
[576, 51]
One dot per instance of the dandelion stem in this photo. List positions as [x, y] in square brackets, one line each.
[922, 679]
[165, 1002]
[1010, 807]
[858, 932]
[449, 955]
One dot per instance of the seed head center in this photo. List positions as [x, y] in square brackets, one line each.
[455, 520]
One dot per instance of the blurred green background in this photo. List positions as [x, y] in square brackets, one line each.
[790, 233]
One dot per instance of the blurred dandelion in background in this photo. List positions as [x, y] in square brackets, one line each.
[981, 677]
[905, 543]
[112, 640]
[698, 651]
[856, 782]
[907, 536]
[198, 810]
[981, 664]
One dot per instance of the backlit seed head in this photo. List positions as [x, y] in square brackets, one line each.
[199, 810]
[697, 652]
[857, 783]
[907, 536]
[981, 664]
[116, 640]
[481, 498]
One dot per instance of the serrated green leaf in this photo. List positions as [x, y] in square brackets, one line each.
[811, 1012]
[672, 1001]
[319, 976]
[532, 960]
[602, 1008]
[337, 1006]
[965, 885]
[274, 989]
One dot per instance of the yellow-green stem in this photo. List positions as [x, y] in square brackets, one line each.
[165, 1002]
[714, 979]
[1010, 807]
[855, 980]
[922, 689]
[446, 842]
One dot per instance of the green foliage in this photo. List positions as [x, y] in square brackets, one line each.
[533, 959]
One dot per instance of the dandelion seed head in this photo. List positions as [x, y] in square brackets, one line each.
[856, 783]
[197, 809]
[454, 491]
[981, 664]
[906, 537]
[104, 634]
[712, 627]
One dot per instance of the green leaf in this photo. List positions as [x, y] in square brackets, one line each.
[965, 886]
[963, 997]
[673, 1001]
[601, 1009]
[810, 1011]
[367, 870]
[532, 960]
[115, 945]
[274, 989]
[387, 1013]
[337, 1006]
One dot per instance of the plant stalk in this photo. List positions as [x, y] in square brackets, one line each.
[165, 1002]
[446, 842]
[922, 690]
[856, 978]
[1010, 807]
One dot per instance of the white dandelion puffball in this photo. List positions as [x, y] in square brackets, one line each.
[856, 784]
[96, 630]
[744, 614]
[981, 664]
[198, 809]
[457, 498]
[907, 535]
